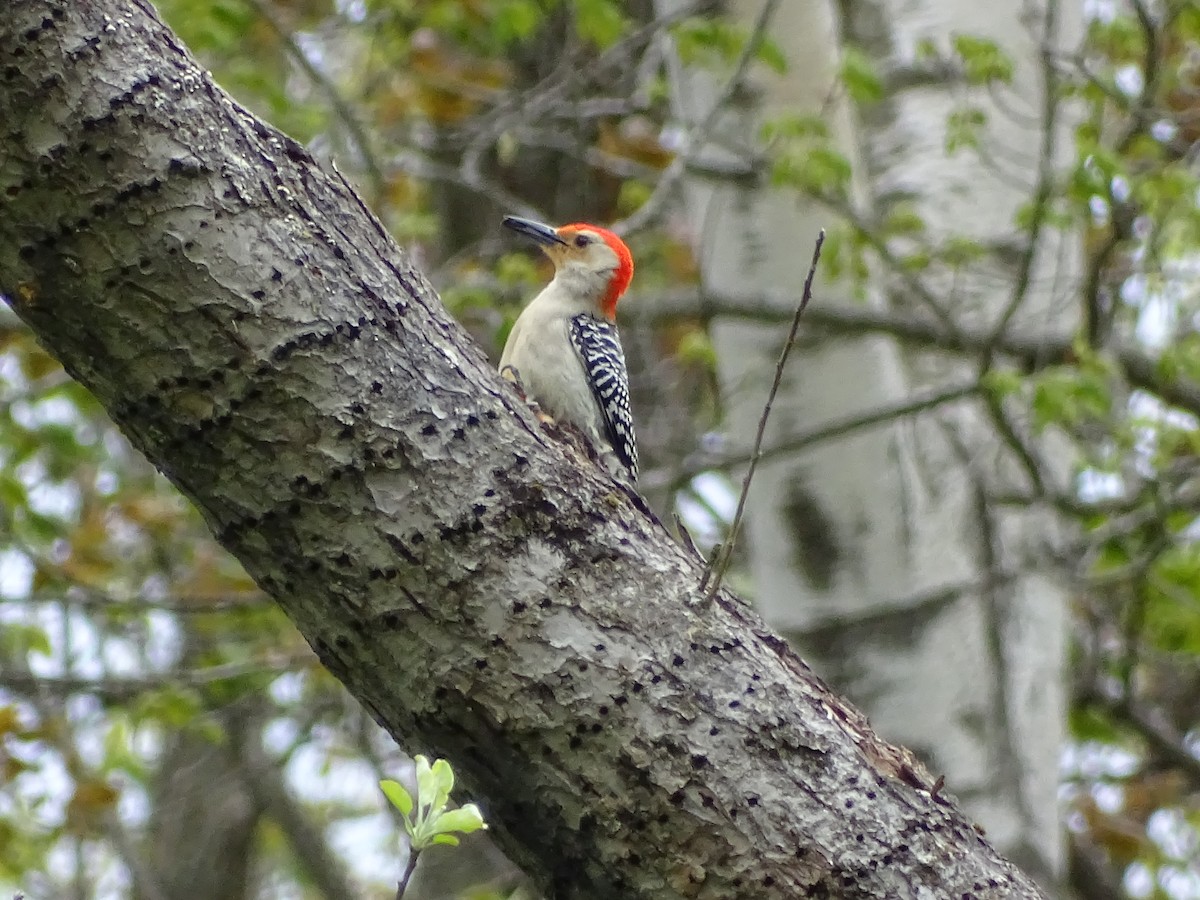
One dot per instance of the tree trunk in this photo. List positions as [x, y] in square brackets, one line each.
[483, 588]
[876, 553]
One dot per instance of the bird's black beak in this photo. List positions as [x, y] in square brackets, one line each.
[536, 231]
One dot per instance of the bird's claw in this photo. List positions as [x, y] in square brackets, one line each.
[512, 375]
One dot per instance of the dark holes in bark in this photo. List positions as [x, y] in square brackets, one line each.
[45, 25]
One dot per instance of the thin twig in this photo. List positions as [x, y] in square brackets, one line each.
[838, 428]
[720, 561]
[1051, 103]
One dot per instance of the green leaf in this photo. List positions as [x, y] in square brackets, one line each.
[443, 783]
[1071, 395]
[983, 60]
[599, 21]
[1089, 725]
[516, 20]
[447, 839]
[861, 77]
[961, 251]
[1002, 382]
[964, 129]
[903, 219]
[772, 56]
[466, 819]
[398, 796]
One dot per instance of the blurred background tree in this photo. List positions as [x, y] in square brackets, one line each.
[977, 512]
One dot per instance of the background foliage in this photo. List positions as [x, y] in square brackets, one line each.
[142, 674]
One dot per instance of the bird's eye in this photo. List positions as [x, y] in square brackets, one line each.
[582, 240]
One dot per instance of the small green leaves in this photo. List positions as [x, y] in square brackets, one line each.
[861, 77]
[983, 60]
[600, 21]
[397, 796]
[713, 42]
[964, 129]
[426, 819]
[464, 820]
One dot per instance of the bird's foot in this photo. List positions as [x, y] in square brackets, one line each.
[510, 374]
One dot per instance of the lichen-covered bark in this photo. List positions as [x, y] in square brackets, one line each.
[480, 586]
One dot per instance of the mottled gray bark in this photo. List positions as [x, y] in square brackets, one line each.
[482, 587]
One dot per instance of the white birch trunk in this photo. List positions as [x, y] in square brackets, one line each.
[875, 553]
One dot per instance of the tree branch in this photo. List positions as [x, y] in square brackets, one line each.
[1033, 351]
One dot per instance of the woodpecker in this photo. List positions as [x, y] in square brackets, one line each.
[564, 349]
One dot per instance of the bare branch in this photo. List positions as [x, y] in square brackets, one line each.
[649, 212]
[1033, 351]
[1045, 181]
[917, 403]
[721, 559]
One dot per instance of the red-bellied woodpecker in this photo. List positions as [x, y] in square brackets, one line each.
[564, 349]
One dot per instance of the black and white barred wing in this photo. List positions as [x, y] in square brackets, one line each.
[599, 348]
